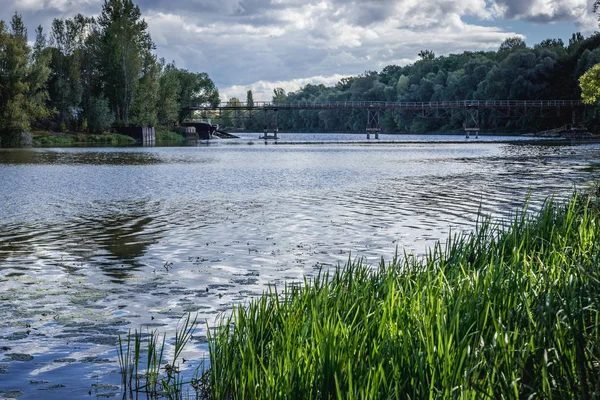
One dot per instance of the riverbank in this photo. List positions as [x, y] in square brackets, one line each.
[511, 310]
[66, 139]
[52, 139]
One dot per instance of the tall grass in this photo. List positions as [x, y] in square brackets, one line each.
[143, 364]
[510, 311]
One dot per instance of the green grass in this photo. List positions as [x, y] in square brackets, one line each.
[510, 311]
[169, 137]
[141, 358]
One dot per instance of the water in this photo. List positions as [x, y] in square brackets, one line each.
[95, 241]
[362, 137]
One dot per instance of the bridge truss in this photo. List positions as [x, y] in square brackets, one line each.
[470, 110]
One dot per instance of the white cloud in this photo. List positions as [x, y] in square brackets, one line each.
[327, 42]
[263, 90]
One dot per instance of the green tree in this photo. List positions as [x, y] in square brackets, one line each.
[23, 78]
[279, 95]
[14, 54]
[574, 42]
[124, 45]
[39, 73]
[590, 85]
[195, 88]
[249, 99]
[145, 99]
[512, 44]
[169, 87]
[67, 41]
[426, 55]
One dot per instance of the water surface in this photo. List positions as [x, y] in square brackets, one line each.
[95, 241]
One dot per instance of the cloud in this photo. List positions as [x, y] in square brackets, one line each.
[318, 39]
[548, 11]
[243, 44]
[263, 90]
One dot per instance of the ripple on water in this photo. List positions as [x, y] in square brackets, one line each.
[94, 242]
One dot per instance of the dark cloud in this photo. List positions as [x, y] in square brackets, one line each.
[546, 11]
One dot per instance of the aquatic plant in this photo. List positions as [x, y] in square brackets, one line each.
[153, 375]
[509, 311]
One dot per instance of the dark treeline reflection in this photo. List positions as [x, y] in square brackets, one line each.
[67, 157]
[113, 237]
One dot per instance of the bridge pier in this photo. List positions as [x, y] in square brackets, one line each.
[472, 121]
[270, 125]
[373, 123]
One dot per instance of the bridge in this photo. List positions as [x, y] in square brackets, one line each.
[433, 109]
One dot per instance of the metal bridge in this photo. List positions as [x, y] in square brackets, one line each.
[432, 109]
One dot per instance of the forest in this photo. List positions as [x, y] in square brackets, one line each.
[550, 69]
[93, 75]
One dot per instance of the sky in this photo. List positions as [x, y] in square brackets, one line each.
[263, 44]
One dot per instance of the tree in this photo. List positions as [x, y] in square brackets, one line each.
[231, 118]
[169, 87]
[100, 117]
[14, 54]
[426, 55]
[39, 72]
[145, 100]
[195, 88]
[590, 85]
[550, 43]
[23, 77]
[511, 44]
[124, 45]
[249, 99]
[575, 40]
[66, 86]
[279, 95]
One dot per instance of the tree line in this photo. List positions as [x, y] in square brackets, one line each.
[89, 74]
[548, 70]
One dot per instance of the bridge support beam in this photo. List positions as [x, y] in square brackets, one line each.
[270, 125]
[373, 123]
[472, 121]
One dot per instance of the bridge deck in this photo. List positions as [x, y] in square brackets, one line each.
[385, 105]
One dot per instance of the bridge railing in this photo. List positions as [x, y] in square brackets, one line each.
[268, 105]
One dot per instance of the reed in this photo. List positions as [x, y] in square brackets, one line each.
[153, 375]
[509, 311]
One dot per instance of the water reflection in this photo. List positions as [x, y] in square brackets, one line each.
[74, 156]
[113, 236]
[118, 238]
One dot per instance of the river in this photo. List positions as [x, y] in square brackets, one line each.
[96, 241]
